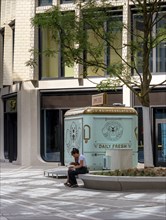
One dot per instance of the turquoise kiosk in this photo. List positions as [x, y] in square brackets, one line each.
[107, 136]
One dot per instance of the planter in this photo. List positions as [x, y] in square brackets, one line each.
[122, 183]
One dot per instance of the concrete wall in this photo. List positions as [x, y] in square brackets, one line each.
[24, 39]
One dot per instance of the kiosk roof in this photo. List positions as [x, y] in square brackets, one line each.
[102, 110]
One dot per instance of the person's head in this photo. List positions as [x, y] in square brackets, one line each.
[75, 152]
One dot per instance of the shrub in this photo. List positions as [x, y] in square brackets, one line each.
[134, 172]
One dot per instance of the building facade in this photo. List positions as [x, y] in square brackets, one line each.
[34, 100]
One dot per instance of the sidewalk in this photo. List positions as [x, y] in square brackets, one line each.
[25, 194]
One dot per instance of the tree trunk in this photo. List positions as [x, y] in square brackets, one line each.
[148, 154]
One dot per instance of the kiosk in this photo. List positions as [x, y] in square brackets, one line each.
[96, 131]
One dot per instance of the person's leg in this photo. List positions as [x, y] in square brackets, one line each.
[67, 181]
[73, 173]
[72, 177]
[82, 170]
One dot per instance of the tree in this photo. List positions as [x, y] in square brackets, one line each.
[74, 31]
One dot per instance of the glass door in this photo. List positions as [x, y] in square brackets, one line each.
[52, 128]
[160, 154]
[10, 136]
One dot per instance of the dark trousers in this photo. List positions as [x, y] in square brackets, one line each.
[73, 173]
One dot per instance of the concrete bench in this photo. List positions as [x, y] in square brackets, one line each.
[57, 172]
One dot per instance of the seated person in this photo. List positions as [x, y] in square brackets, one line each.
[78, 167]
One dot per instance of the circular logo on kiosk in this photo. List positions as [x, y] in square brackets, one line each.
[112, 130]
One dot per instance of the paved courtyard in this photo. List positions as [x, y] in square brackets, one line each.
[25, 194]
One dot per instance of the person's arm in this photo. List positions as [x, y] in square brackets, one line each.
[79, 165]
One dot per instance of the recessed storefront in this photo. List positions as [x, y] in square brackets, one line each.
[53, 107]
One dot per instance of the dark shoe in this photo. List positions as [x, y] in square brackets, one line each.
[74, 186]
[67, 184]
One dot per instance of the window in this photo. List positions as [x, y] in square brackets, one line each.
[66, 1]
[12, 25]
[161, 48]
[53, 65]
[1, 51]
[137, 39]
[94, 40]
[108, 54]
[44, 2]
[48, 64]
[115, 24]
[157, 59]
[54, 58]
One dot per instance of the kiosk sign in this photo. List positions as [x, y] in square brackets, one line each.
[99, 99]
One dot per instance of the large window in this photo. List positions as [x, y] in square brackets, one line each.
[157, 59]
[110, 51]
[48, 63]
[52, 64]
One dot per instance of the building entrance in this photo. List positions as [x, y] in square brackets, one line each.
[10, 136]
[10, 128]
[160, 155]
[52, 142]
